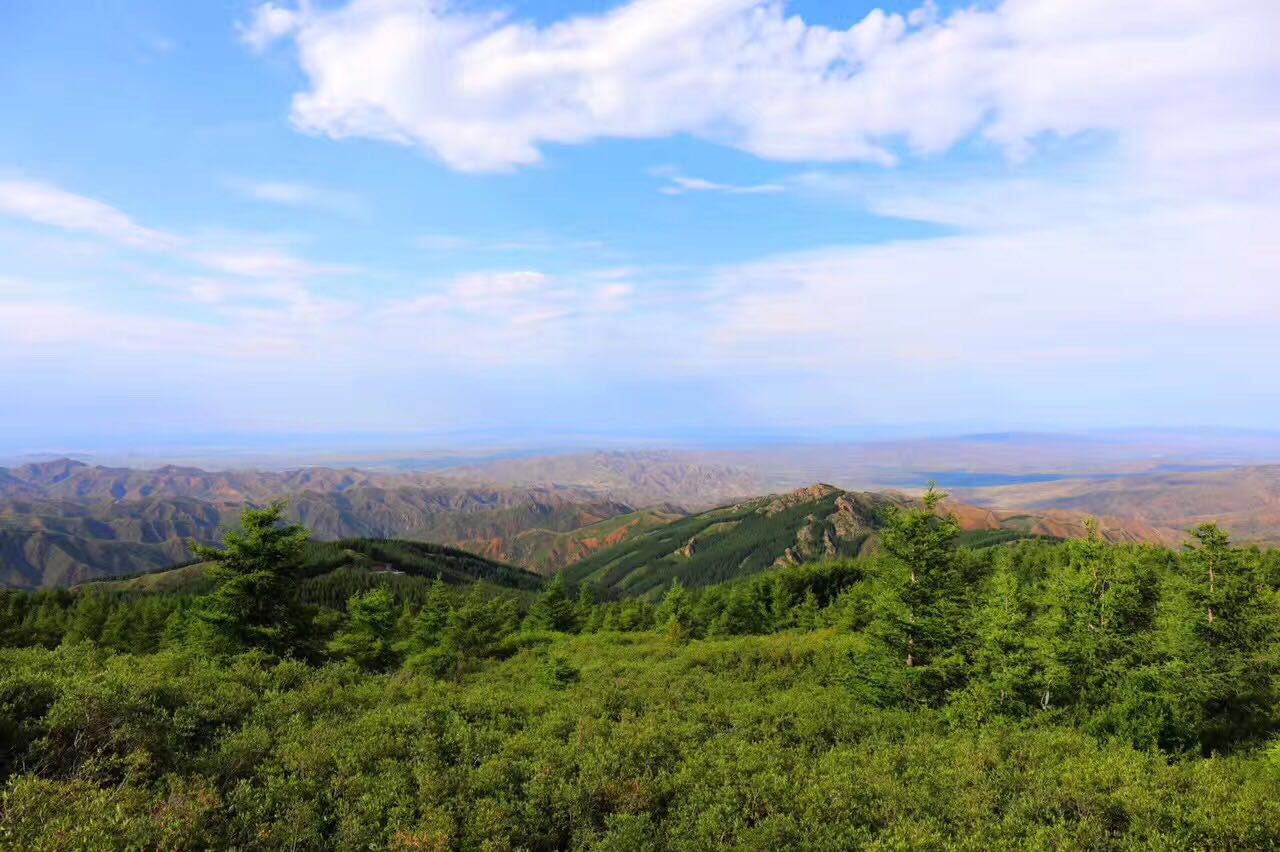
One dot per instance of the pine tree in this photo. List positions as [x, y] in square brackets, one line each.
[475, 626]
[917, 606]
[674, 606]
[1006, 677]
[366, 637]
[174, 634]
[1238, 626]
[404, 624]
[553, 610]
[87, 618]
[805, 615]
[586, 606]
[255, 603]
[118, 630]
[743, 614]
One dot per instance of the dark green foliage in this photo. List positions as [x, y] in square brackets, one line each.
[1027, 695]
[368, 634]
[255, 602]
[726, 544]
[553, 610]
[417, 559]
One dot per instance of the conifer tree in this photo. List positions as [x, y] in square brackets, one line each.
[585, 607]
[87, 618]
[674, 606]
[917, 608]
[404, 624]
[1239, 629]
[367, 635]
[118, 631]
[432, 619]
[1005, 671]
[255, 602]
[553, 610]
[805, 615]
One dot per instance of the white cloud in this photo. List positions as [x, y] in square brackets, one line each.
[48, 205]
[265, 263]
[268, 23]
[1171, 80]
[292, 194]
[1112, 292]
[678, 184]
[529, 243]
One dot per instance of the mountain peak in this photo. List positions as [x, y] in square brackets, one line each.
[48, 471]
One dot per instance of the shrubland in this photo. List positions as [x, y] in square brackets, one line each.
[1023, 695]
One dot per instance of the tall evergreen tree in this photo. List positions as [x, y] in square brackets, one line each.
[1239, 628]
[88, 617]
[367, 635]
[553, 610]
[917, 611]
[255, 602]
[1006, 677]
[585, 607]
[432, 619]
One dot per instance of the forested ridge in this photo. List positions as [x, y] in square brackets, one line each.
[1027, 694]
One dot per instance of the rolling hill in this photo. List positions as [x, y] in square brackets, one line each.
[373, 556]
[544, 551]
[737, 540]
[64, 522]
[62, 542]
[809, 524]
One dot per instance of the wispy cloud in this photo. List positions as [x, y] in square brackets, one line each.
[678, 184]
[48, 205]
[294, 194]
[533, 243]
[266, 263]
[51, 206]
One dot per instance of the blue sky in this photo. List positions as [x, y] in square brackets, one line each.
[656, 218]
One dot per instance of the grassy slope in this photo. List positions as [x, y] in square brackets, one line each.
[413, 558]
[737, 541]
[711, 547]
[545, 551]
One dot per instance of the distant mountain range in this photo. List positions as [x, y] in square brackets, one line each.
[64, 522]
[1244, 500]
[639, 478]
[60, 542]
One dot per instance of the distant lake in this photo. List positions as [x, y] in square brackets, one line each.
[976, 479]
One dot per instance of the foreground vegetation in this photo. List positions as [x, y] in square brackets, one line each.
[1031, 694]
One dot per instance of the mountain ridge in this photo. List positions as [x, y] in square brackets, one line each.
[819, 521]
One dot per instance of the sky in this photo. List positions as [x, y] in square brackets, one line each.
[655, 218]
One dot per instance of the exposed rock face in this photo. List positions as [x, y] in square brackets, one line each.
[773, 505]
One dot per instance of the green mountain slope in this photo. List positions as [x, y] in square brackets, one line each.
[51, 542]
[545, 551]
[734, 541]
[366, 556]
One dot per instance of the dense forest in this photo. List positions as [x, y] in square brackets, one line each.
[1022, 694]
